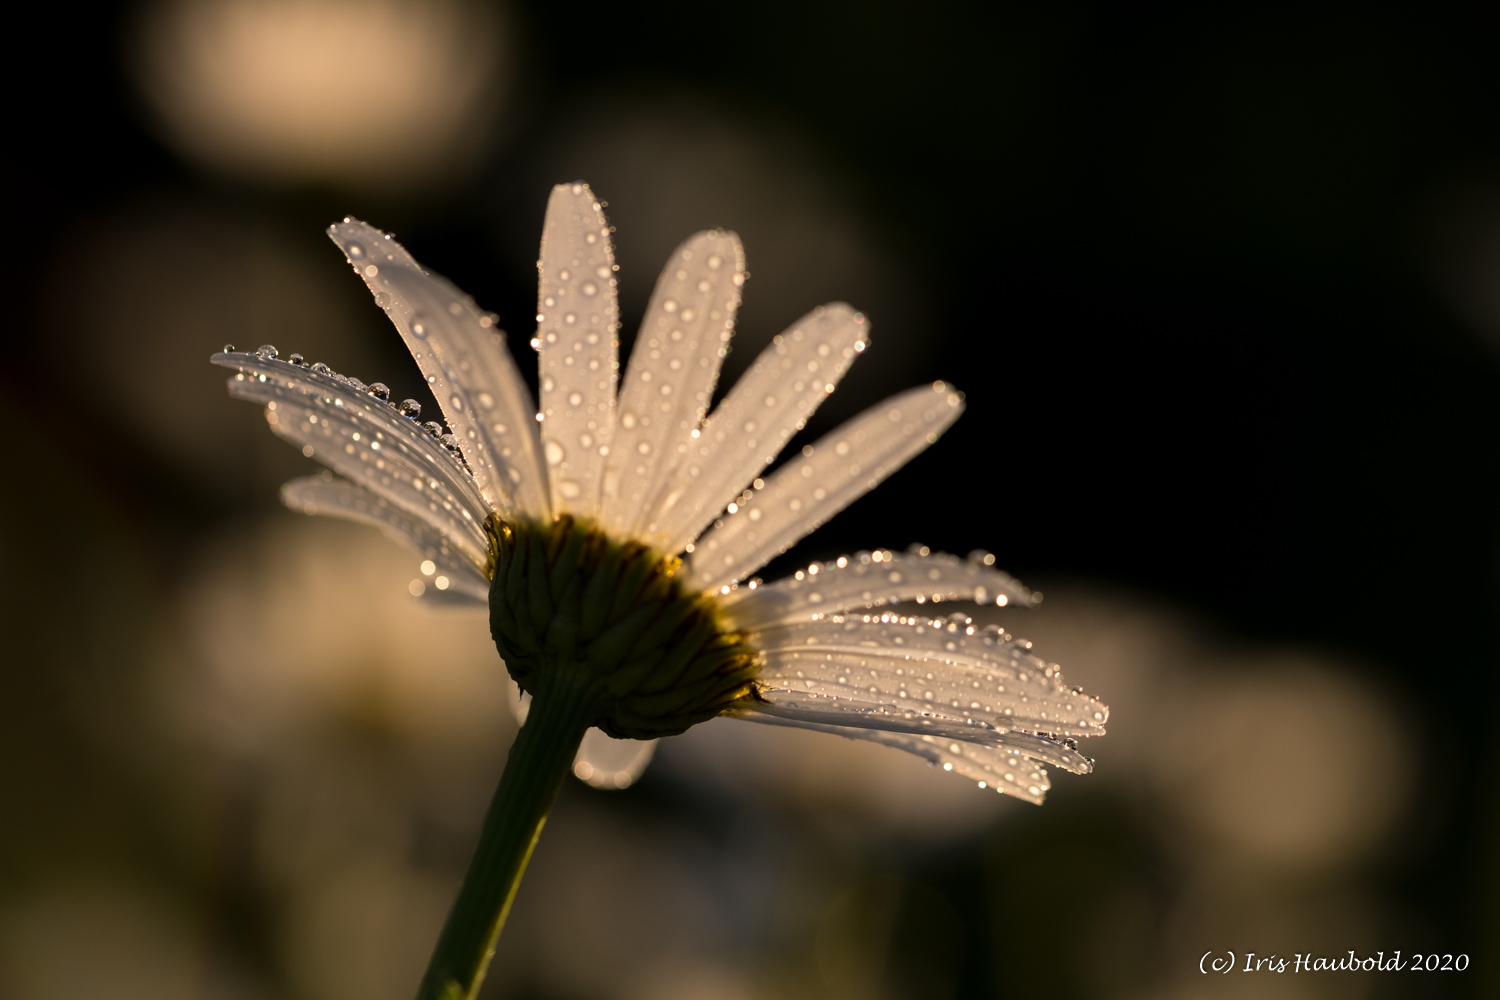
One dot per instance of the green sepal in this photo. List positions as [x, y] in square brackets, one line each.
[566, 596]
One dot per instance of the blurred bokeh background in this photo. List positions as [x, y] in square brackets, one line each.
[1222, 284]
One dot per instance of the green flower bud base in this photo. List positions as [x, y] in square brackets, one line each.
[600, 633]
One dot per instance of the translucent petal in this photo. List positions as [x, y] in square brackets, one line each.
[1000, 768]
[367, 441]
[451, 571]
[746, 431]
[602, 761]
[671, 377]
[466, 363]
[870, 579]
[831, 474]
[608, 763]
[924, 669]
[578, 336]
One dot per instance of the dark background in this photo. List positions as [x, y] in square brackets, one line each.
[1213, 281]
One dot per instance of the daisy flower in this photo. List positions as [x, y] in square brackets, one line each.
[613, 532]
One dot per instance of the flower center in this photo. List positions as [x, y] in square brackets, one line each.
[654, 658]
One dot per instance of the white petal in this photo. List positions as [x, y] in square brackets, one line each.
[831, 474]
[671, 377]
[868, 580]
[608, 763]
[924, 669]
[465, 361]
[1000, 768]
[578, 336]
[368, 441]
[746, 431]
[602, 761]
[460, 579]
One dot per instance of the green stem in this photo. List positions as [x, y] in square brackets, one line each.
[539, 760]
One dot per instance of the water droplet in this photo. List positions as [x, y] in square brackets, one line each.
[714, 262]
[627, 420]
[410, 408]
[371, 270]
[669, 306]
[895, 576]
[569, 489]
[575, 399]
[485, 400]
[704, 285]
[643, 448]
[554, 453]
[570, 318]
[356, 252]
[433, 427]
[418, 330]
[321, 368]
[449, 441]
[266, 351]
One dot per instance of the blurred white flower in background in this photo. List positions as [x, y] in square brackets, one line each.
[378, 93]
[1269, 777]
[1278, 759]
[137, 295]
[294, 628]
[372, 729]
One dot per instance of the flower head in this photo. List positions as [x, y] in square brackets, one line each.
[614, 531]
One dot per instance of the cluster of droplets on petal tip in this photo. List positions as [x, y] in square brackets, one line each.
[870, 579]
[923, 675]
[363, 437]
[462, 355]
